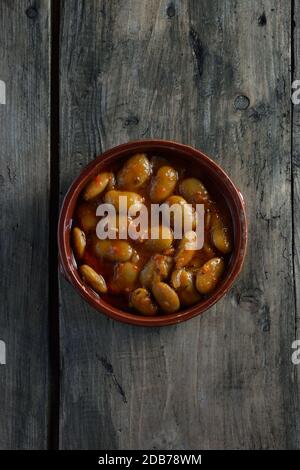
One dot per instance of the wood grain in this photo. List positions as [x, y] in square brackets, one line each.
[296, 192]
[24, 180]
[136, 69]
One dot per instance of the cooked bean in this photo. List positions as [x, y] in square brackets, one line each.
[86, 214]
[209, 275]
[189, 296]
[125, 277]
[112, 182]
[182, 280]
[201, 257]
[207, 219]
[175, 200]
[208, 250]
[112, 197]
[113, 250]
[148, 274]
[196, 262]
[166, 297]
[93, 279]
[169, 251]
[96, 186]
[141, 300]
[79, 242]
[156, 269]
[157, 162]
[187, 213]
[163, 242]
[193, 190]
[220, 235]
[163, 184]
[185, 252]
[135, 258]
[135, 172]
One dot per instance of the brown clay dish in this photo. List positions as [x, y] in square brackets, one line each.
[217, 182]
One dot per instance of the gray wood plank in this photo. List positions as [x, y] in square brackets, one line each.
[24, 179]
[134, 69]
[296, 190]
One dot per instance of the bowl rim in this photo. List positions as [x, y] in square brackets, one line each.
[66, 258]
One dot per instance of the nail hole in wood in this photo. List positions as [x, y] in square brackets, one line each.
[241, 102]
[131, 121]
[171, 10]
[31, 12]
[262, 20]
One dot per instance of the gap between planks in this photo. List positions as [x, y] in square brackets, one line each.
[54, 392]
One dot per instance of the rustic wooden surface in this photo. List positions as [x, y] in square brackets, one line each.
[296, 190]
[24, 182]
[211, 73]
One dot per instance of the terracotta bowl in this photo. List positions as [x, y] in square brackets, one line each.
[218, 181]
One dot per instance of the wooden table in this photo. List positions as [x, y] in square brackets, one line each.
[81, 77]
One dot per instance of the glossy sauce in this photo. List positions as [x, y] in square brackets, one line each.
[214, 205]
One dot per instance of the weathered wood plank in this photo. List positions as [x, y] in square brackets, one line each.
[134, 69]
[24, 180]
[296, 192]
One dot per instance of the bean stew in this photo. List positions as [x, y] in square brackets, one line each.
[151, 276]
